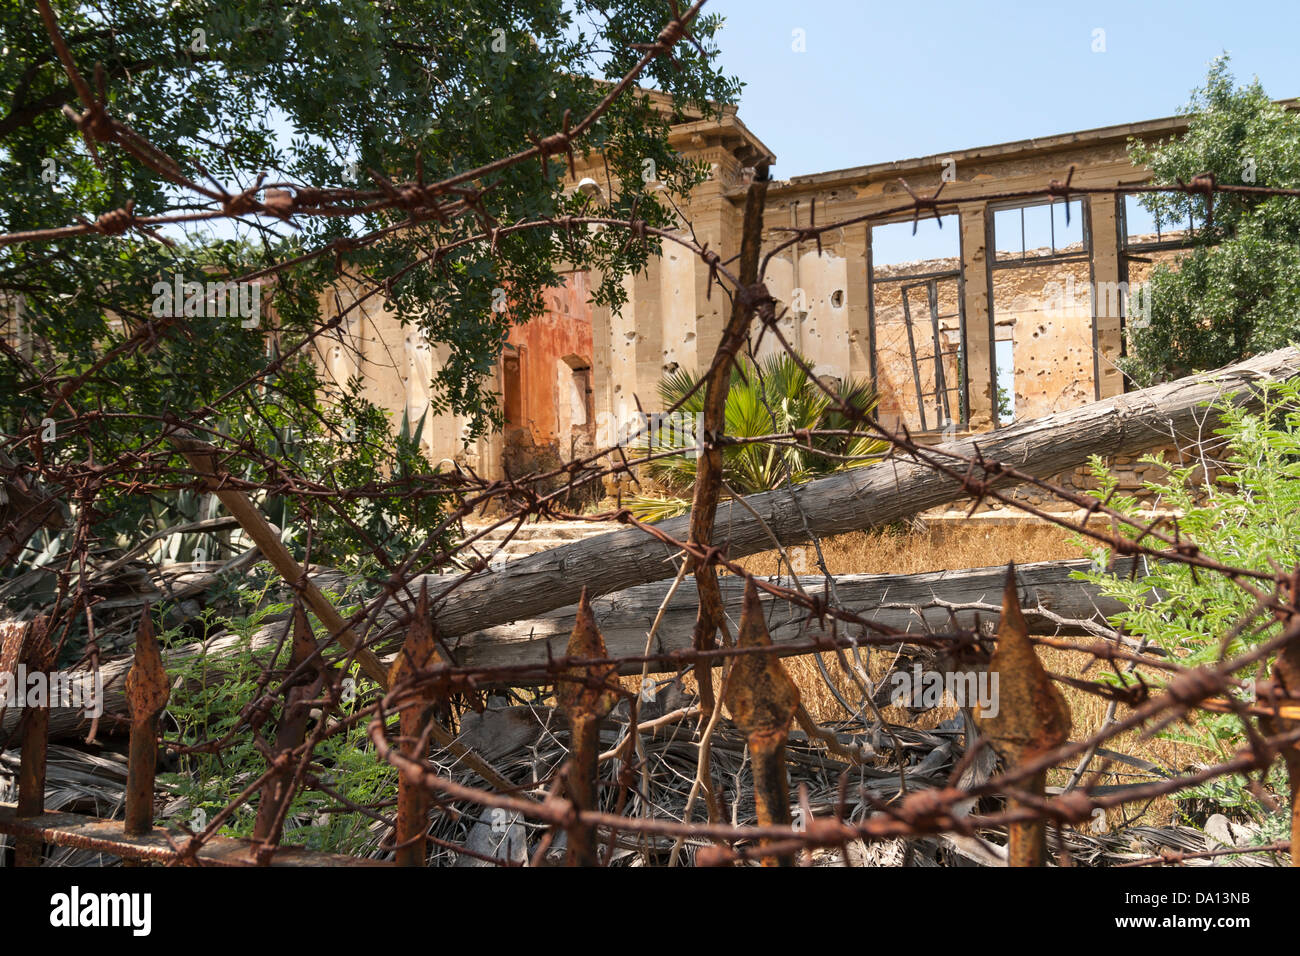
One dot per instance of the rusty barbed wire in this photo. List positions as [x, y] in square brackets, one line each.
[1033, 738]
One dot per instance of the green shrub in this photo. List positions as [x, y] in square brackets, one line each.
[206, 704]
[1247, 518]
[1236, 292]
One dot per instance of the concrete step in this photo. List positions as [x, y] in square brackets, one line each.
[534, 537]
[1012, 517]
[550, 530]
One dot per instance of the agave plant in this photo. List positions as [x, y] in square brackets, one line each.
[772, 396]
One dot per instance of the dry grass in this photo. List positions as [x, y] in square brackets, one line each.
[946, 546]
[952, 546]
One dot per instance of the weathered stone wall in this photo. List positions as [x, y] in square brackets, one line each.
[1133, 474]
[553, 354]
[817, 321]
[1050, 333]
[896, 379]
[1063, 354]
[396, 365]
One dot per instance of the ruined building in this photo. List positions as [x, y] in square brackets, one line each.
[1012, 309]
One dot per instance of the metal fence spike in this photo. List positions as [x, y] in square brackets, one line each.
[763, 700]
[1032, 717]
[1286, 675]
[586, 695]
[147, 693]
[419, 653]
[39, 656]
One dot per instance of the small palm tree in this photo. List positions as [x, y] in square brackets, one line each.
[774, 396]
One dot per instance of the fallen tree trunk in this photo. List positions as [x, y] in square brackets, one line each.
[861, 498]
[853, 500]
[906, 602]
[916, 603]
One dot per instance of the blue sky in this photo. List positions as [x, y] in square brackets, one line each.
[884, 81]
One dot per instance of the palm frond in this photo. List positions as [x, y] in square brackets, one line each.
[773, 396]
[650, 508]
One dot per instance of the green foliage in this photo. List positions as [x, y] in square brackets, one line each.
[312, 94]
[774, 396]
[1237, 292]
[1006, 404]
[1249, 518]
[208, 702]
